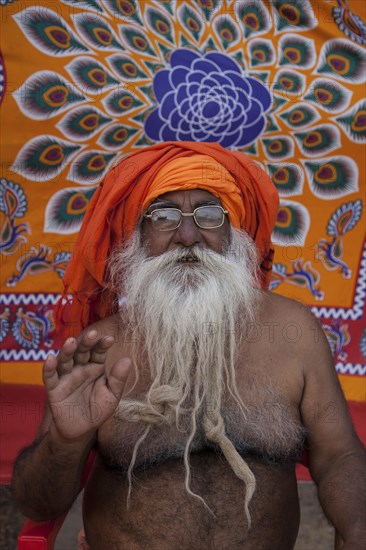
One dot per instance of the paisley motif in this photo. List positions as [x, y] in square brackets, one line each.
[332, 177]
[13, 201]
[349, 23]
[30, 327]
[13, 205]
[4, 323]
[345, 218]
[363, 343]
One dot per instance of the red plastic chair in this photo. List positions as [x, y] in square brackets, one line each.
[39, 536]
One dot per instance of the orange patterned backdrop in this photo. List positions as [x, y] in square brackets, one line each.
[84, 83]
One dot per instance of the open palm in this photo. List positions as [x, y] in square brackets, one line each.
[81, 395]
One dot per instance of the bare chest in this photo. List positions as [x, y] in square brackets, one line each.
[269, 428]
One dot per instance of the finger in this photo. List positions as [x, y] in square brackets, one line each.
[49, 374]
[65, 358]
[117, 377]
[92, 349]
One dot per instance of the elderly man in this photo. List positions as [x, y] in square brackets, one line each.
[187, 378]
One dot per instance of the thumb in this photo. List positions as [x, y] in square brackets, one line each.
[118, 375]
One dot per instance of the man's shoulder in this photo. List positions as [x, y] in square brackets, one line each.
[293, 319]
[275, 306]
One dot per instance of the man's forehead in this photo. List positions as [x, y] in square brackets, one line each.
[193, 195]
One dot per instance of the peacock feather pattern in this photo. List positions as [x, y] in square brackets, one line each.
[287, 177]
[296, 51]
[300, 116]
[328, 95]
[342, 60]
[353, 122]
[332, 177]
[292, 224]
[317, 141]
[46, 94]
[281, 81]
[66, 209]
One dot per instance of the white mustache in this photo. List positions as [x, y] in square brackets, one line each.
[195, 254]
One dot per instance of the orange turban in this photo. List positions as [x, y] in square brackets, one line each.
[123, 195]
[203, 172]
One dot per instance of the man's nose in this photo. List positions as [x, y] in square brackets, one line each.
[188, 233]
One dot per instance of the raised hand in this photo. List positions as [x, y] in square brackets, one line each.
[81, 394]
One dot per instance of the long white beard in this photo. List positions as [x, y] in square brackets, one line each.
[190, 318]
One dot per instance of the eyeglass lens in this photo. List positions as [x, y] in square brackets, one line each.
[205, 216]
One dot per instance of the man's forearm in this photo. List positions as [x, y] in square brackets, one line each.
[342, 493]
[47, 475]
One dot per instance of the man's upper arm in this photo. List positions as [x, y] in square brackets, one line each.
[323, 407]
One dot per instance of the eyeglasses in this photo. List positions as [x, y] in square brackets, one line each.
[169, 219]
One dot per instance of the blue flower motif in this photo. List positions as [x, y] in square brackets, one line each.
[207, 99]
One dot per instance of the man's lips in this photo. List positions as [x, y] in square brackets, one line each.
[188, 259]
